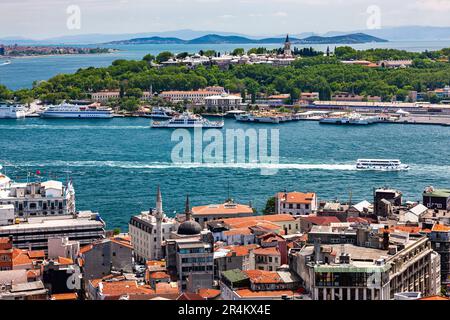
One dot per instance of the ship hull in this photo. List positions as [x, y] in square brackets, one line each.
[75, 115]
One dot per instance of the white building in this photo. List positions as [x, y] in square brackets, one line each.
[31, 199]
[33, 233]
[6, 214]
[224, 102]
[196, 97]
[63, 247]
[105, 96]
[295, 203]
[148, 230]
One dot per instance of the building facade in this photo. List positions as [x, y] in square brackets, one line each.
[148, 230]
[295, 203]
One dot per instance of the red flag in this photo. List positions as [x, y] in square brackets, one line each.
[38, 172]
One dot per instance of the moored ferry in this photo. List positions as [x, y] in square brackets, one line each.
[160, 113]
[187, 120]
[72, 111]
[260, 118]
[381, 165]
[12, 111]
[352, 119]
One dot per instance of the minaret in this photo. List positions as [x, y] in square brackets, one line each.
[159, 214]
[187, 209]
[287, 47]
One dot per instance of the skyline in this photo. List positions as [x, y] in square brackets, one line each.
[53, 18]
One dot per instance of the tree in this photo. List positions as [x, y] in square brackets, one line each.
[210, 53]
[149, 58]
[164, 56]
[5, 93]
[238, 52]
[270, 206]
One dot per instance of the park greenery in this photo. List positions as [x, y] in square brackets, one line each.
[313, 72]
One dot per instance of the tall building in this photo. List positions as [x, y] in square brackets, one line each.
[149, 230]
[34, 199]
[295, 203]
[85, 227]
[440, 242]
[287, 47]
[350, 272]
[190, 254]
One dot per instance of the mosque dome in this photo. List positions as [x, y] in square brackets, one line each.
[189, 228]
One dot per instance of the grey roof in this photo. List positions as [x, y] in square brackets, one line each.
[189, 228]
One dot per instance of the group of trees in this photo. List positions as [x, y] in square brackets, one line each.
[317, 73]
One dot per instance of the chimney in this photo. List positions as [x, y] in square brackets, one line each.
[386, 238]
[317, 253]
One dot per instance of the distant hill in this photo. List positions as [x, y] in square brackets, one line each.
[403, 33]
[220, 39]
[344, 39]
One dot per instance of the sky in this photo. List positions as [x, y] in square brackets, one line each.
[40, 19]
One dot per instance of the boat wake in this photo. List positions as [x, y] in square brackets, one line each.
[62, 127]
[169, 165]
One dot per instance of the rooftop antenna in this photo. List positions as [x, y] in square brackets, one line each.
[350, 198]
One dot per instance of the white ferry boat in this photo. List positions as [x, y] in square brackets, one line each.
[160, 113]
[12, 111]
[247, 117]
[4, 180]
[234, 113]
[67, 110]
[352, 119]
[381, 165]
[187, 120]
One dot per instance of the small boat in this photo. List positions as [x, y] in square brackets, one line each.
[8, 111]
[233, 113]
[188, 120]
[248, 117]
[352, 119]
[72, 111]
[5, 63]
[381, 165]
[160, 113]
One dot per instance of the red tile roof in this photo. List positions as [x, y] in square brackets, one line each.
[247, 293]
[159, 275]
[440, 228]
[296, 197]
[222, 209]
[435, 298]
[240, 250]
[64, 296]
[208, 293]
[261, 276]
[321, 221]
[271, 251]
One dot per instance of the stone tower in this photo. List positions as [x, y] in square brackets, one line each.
[159, 214]
[287, 47]
[187, 209]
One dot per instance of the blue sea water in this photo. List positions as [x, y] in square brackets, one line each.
[22, 72]
[116, 164]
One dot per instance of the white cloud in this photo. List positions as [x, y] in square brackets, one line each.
[433, 5]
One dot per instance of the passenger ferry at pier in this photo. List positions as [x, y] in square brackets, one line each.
[160, 113]
[188, 120]
[248, 117]
[12, 111]
[352, 119]
[67, 110]
[381, 165]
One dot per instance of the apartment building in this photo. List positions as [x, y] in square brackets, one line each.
[295, 203]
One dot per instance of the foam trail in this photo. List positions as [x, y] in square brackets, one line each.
[61, 127]
[168, 165]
